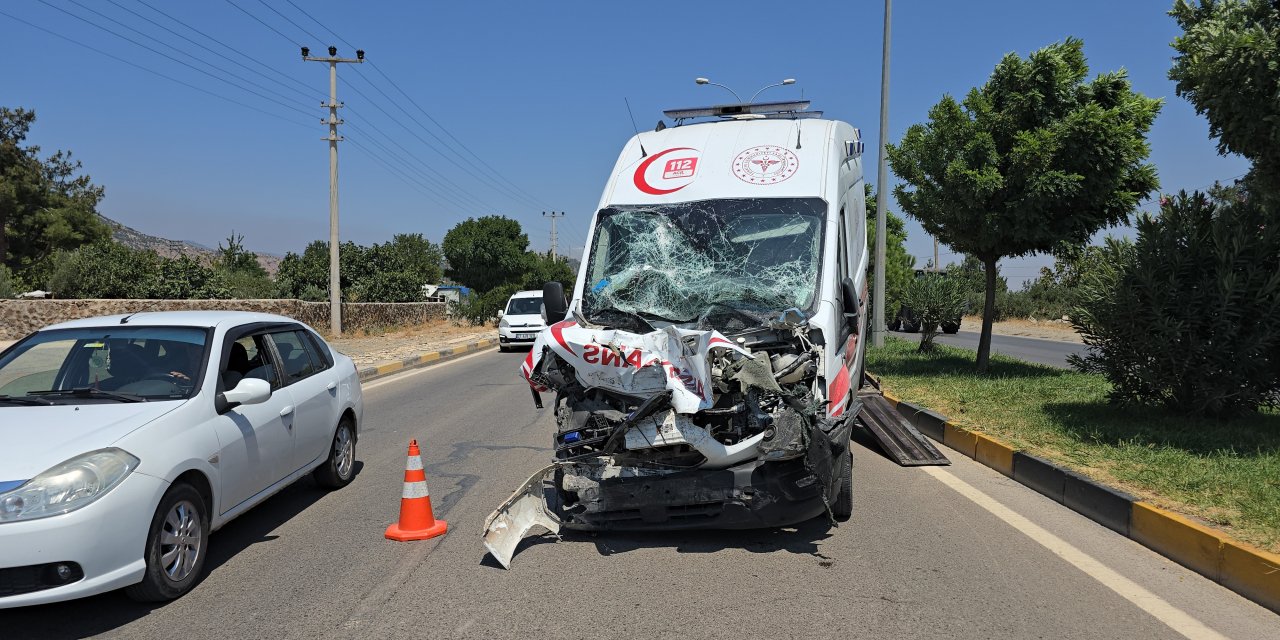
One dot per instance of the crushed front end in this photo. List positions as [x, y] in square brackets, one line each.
[680, 428]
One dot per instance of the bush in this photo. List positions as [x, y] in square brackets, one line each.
[246, 285]
[387, 286]
[8, 285]
[479, 309]
[103, 270]
[1186, 317]
[934, 298]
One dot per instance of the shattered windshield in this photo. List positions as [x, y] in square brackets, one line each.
[676, 262]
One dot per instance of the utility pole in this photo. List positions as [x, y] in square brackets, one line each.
[877, 303]
[936, 266]
[335, 295]
[554, 238]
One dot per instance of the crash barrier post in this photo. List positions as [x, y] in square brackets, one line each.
[417, 521]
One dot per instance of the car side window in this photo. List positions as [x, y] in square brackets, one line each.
[319, 350]
[295, 355]
[249, 357]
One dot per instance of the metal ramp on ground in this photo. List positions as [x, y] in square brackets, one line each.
[897, 437]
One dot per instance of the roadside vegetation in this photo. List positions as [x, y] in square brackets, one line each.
[1225, 473]
[491, 255]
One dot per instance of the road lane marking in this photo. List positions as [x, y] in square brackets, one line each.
[1160, 609]
[409, 373]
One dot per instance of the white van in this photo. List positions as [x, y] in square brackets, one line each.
[707, 365]
[520, 320]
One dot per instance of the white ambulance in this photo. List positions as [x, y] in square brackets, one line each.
[706, 368]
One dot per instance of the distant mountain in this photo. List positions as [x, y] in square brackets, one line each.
[135, 239]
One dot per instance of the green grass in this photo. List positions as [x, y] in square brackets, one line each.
[1224, 473]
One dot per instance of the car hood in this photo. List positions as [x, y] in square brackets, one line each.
[523, 320]
[36, 438]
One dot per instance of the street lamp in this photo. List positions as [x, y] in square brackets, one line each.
[706, 81]
[776, 84]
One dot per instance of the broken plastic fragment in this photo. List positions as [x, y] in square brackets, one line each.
[520, 514]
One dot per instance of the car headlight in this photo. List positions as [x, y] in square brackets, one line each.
[503, 323]
[68, 486]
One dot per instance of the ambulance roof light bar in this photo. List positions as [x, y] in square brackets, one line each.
[792, 108]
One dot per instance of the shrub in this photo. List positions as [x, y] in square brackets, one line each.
[246, 285]
[103, 270]
[8, 285]
[1186, 317]
[934, 298]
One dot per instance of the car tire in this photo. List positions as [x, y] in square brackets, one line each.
[842, 506]
[951, 328]
[177, 544]
[339, 468]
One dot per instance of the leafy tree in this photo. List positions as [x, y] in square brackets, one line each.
[103, 270]
[1228, 67]
[234, 258]
[184, 278]
[486, 252]
[1185, 316]
[1035, 158]
[391, 272]
[899, 266]
[933, 298]
[9, 286]
[409, 254]
[42, 202]
[305, 272]
[543, 268]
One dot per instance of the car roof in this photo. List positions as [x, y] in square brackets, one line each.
[527, 294]
[202, 319]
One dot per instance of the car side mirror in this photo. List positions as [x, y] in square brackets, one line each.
[248, 391]
[849, 298]
[554, 308]
[499, 313]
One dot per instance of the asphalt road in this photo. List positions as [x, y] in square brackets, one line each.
[1050, 352]
[919, 559]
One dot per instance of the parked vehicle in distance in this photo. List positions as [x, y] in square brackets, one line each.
[521, 320]
[907, 322]
[129, 439]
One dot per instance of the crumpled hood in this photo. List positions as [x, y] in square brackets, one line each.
[36, 438]
[635, 364]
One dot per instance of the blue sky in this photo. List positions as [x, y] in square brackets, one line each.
[534, 90]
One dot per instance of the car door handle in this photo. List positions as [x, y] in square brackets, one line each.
[333, 384]
[286, 411]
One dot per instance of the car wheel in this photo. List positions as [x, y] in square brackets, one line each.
[338, 470]
[176, 546]
[950, 327]
[842, 506]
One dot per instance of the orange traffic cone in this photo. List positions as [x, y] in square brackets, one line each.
[416, 519]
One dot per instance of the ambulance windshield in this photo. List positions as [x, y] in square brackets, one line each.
[678, 262]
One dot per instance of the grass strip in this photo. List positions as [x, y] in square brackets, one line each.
[1224, 473]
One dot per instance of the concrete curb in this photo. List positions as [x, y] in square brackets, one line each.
[427, 359]
[1242, 568]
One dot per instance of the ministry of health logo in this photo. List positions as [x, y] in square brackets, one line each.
[765, 165]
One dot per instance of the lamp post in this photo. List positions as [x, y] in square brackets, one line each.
[878, 327]
[717, 84]
[776, 84]
[735, 93]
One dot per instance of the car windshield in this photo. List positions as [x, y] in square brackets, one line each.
[678, 262]
[103, 364]
[524, 306]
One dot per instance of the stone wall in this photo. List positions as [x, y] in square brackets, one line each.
[20, 317]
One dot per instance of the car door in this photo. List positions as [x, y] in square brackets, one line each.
[256, 439]
[310, 379]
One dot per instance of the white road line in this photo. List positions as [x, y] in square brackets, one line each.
[409, 373]
[1161, 610]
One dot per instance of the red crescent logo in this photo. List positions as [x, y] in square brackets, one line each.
[644, 186]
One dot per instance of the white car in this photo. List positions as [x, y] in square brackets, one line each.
[521, 320]
[126, 440]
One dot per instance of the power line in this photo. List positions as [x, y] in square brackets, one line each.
[399, 172]
[169, 57]
[440, 193]
[281, 34]
[151, 71]
[180, 51]
[305, 87]
[286, 18]
[322, 26]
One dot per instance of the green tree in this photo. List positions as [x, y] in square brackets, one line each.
[103, 269]
[933, 298]
[410, 254]
[1035, 158]
[543, 268]
[8, 284]
[42, 202]
[184, 278]
[486, 252]
[1228, 67]
[234, 258]
[899, 266]
[307, 273]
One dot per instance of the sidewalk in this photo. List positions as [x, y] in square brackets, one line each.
[401, 344]
[1042, 329]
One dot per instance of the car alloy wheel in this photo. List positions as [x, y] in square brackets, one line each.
[181, 541]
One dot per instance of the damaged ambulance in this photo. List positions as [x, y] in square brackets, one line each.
[704, 371]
